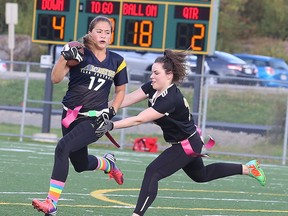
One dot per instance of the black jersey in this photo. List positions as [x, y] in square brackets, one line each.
[178, 123]
[91, 80]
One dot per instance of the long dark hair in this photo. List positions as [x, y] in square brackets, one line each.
[174, 62]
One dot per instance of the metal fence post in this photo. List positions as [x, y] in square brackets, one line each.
[25, 95]
[285, 137]
[124, 115]
[204, 118]
[122, 132]
[198, 83]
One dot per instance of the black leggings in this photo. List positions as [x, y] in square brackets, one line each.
[173, 159]
[73, 145]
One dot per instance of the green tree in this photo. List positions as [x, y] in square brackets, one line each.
[251, 15]
[257, 26]
[253, 26]
[25, 15]
[275, 19]
[230, 25]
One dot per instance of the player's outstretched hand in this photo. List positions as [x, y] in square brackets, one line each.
[106, 115]
[103, 128]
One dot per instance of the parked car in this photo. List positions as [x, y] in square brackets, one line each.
[192, 67]
[224, 67]
[3, 66]
[270, 69]
[138, 63]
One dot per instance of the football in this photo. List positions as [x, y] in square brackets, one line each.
[72, 63]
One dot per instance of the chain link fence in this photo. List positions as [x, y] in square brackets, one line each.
[245, 120]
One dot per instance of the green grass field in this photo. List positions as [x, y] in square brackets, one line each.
[26, 167]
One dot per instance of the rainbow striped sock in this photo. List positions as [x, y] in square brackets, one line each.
[103, 164]
[55, 190]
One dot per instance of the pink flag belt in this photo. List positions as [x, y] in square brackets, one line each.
[72, 114]
[188, 148]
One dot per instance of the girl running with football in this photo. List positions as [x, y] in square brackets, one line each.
[84, 105]
[169, 109]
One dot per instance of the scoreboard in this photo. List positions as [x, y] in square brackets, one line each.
[152, 25]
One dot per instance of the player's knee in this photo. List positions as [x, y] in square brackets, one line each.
[199, 178]
[61, 149]
[150, 170]
[152, 174]
[78, 169]
[78, 166]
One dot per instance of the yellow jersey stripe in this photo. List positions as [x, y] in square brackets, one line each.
[121, 66]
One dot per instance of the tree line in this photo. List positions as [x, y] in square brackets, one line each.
[253, 26]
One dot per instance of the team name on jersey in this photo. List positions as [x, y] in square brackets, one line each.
[98, 71]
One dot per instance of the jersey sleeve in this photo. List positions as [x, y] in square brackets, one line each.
[121, 75]
[147, 88]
